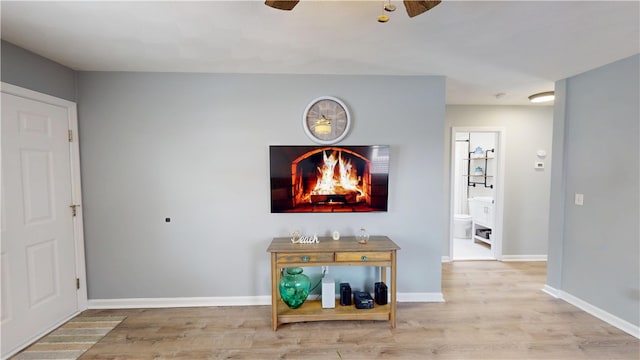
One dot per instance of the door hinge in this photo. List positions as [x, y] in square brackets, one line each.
[74, 210]
[70, 135]
[78, 283]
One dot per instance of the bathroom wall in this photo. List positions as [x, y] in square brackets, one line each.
[460, 187]
[486, 141]
[527, 129]
[466, 142]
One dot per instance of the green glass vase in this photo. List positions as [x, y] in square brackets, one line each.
[294, 287]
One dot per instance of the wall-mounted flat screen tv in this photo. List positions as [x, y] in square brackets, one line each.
[311, 179]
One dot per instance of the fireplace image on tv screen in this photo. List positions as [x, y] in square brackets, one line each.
[329, 178]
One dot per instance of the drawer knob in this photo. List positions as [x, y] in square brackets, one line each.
[305, 259]
[364, 258]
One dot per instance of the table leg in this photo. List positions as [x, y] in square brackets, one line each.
[392, 315]
[274, 292]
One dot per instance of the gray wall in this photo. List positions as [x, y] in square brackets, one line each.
[28, 70]
[599, 258]
[526, 193]
[194, 147]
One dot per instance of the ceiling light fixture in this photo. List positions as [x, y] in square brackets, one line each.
[542, 97]
[388, 7]
[413, 7]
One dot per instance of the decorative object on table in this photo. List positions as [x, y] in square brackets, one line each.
[362, 300]
[294, 287]
[328, 293]
[298, 238]
[326, 120]
[380, 293]
[345, 294]
[479, 171]
[336, 235]
[362, 236]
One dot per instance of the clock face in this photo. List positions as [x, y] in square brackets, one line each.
[326, 120]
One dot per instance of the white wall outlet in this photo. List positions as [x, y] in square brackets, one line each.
[579, 199]
[538, 165]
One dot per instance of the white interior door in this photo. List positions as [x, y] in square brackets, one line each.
[38, 252]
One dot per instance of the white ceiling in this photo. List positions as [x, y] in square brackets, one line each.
[483, 48]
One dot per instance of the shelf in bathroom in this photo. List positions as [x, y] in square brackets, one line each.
[480, 158]
[488, 241]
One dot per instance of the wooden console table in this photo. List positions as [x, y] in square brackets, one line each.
[379, 251]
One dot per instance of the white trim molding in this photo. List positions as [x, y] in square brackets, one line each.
[136, 303]
[603, 315]
[446, 259]
[551, 291]
[178, 302]
[420, 297]
[507, 258]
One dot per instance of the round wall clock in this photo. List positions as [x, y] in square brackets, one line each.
[326, 120]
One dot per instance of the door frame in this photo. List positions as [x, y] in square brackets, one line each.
[76, 191]
[496, 235]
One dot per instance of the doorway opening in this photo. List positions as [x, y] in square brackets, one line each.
[477, 163]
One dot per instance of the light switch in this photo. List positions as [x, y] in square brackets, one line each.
[579, 200]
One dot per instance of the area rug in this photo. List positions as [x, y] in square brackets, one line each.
[72, 339]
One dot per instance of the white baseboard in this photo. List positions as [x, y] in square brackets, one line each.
[507, 258]
[420, 297]
[226, 301]
[178, 302]
[605, 316]
[551, 291]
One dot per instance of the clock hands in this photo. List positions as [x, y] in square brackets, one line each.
[323, 125]
[324, 120]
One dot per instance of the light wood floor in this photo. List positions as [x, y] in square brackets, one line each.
[493, 311]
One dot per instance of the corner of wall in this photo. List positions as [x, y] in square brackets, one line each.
[557, 189]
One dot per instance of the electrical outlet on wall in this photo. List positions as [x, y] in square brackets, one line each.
[579, 199]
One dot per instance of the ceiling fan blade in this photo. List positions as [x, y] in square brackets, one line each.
[281, 4]
[415, 8]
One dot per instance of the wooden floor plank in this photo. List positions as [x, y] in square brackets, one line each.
[493, 310]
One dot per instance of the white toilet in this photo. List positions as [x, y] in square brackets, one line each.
[462, 226]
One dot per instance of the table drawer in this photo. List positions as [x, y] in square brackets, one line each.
[289, 258]
[363, 256]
